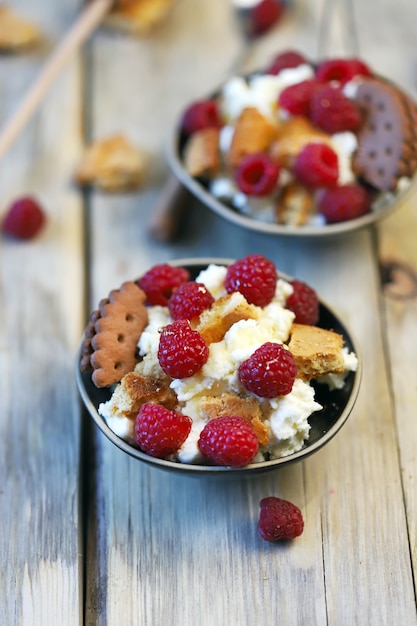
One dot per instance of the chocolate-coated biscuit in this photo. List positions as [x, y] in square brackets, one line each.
[386, 140]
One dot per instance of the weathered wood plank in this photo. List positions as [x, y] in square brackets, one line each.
[171, 550]
[399, 270]
[40, 323]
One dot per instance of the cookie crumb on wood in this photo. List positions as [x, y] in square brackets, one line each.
[112, 164]
[16, 32]
[138, 17]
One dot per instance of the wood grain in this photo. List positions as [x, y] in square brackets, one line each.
[165, 549]
[40, 322]
[188, 550]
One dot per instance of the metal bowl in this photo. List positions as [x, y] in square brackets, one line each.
[384, 202]
[337, 404]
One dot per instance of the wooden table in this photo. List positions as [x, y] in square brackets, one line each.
[90, 536]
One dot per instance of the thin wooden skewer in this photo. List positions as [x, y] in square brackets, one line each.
[83, 27]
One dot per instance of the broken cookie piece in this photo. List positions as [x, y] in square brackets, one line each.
[138, 17]
[316, 351]
[16, 32]
[112, 164]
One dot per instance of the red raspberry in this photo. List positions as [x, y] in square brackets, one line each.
[257, 175]
[286, 60]
[160, 432]
[296, 98]
[304, 303]
[279, 519]
[160, 281]
[182, 351]
[332, 111]
[228, 440]
[269, 372]
[317, 165]
[189, 300]
[341, 70]
[264, 15]
[255, 277]
[24, 219]
[344, 203]
[199, 115]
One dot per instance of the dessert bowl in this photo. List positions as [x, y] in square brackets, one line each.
[337, 403]
[390, 112]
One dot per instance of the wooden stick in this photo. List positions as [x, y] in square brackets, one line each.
[168, 215]
[83, 27]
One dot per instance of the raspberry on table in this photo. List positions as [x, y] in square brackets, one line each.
[199, 115]
[182, 351]
[24, 218]
[279, 519]
[317, 165]
[344, 203]
[257, 174]
[269, 372]
[160, 281]
[304, 303]
[159, 431]
[332, 111]
[296, 98]
[264, 14]
[341, 70]
[189, 300]
[228, 440]
[286, 60]
[255, 277]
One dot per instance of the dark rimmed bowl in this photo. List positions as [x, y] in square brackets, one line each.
[337, 404]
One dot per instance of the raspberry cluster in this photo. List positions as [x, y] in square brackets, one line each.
[182, 352]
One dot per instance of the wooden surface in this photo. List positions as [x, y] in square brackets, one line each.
[89, 536]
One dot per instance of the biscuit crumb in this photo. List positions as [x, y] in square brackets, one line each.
[316, 351]
[16, 32]
[291, 138]
[201, 154]
[214, 323]
[295, 205]
[138, 17]
[134, 390]
[112, 164]
[253, 133]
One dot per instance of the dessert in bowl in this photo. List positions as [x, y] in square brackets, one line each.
[299, 148]
[213, 366]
